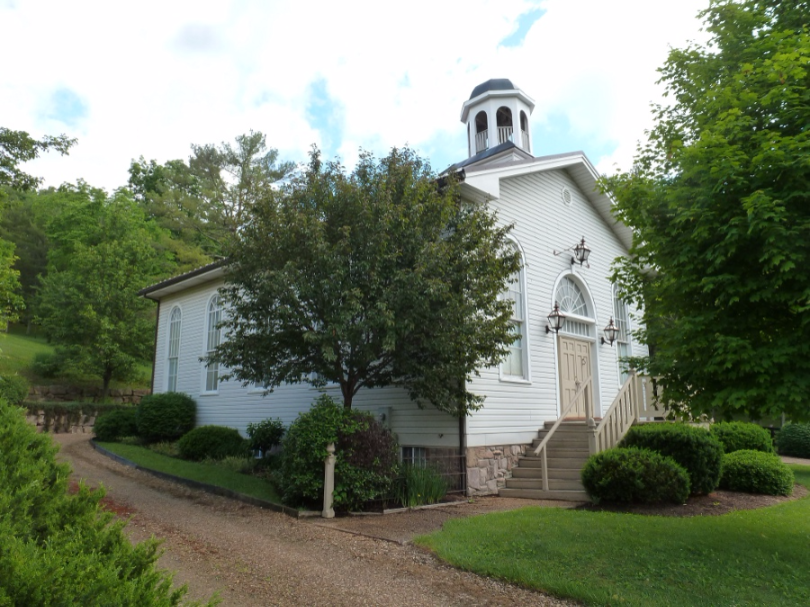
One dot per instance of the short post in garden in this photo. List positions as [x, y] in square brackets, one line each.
[329, 482]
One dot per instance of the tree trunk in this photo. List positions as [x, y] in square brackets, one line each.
[105, 388]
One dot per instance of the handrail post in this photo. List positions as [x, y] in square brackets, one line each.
[544, 460]
[329, 482]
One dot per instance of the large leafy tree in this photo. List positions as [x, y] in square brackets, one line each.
[379, 277]
[719, 199]
[102, 250]
[205, 200]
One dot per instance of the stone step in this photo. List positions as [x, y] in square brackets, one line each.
[539, 494]
[573, 427]
[565, 463]
[553, 473]
[553, 484]
[573, 441]
[558, 452]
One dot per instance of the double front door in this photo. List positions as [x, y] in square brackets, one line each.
[575, 366]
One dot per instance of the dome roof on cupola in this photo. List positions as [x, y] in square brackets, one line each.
[494, 84]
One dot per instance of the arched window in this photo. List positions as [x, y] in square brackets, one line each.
[213, 338]
[175, 319]
[573, 304]
[524, 128]
[481, 132]
[504, 119]
[516, 362]
[621, 318]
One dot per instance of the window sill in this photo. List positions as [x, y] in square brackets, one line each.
[210, 393]
[515, 380]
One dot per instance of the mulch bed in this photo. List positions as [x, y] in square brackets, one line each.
[107, 503]
[713, 504]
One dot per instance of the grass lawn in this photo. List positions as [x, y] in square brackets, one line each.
[753, 557]
[204, 473]
[17, 352]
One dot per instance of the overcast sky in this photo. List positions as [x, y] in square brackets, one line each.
[149, 78]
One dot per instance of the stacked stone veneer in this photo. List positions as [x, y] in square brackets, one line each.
[489, 467]
[69, 394]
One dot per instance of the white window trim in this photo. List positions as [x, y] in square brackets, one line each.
[169, 345]
[628, 332]
[526, 379]
[203, 388]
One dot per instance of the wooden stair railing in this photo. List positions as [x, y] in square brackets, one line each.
[635, 401]
[542, 451]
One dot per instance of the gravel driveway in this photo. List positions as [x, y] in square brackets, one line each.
[256, 557]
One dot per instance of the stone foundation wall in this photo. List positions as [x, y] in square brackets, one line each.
[74, 422]
[69, 394]
[489, 467]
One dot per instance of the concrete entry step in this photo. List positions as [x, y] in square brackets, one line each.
[539, 494]
[553, 484]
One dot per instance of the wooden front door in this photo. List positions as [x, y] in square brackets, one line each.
[575, 366]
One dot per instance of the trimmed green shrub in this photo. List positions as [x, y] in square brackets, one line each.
[366, 456]
[756, 472]
[736, 436]
[111, 426]
[690, 446]
[794, 439]
[265, 435]
[62, 549]
[14, 389]
[215, 442]
[419, 485]
[633, 475]
[166, 416]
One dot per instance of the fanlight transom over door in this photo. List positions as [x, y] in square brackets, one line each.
[575, 352]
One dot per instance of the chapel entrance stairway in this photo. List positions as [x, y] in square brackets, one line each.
[567, 453]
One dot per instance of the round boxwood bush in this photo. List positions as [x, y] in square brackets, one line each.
[736, 436]
[692, 447]
[216, 442]
[111, 426]
[366, 455]
[756, 472]
[794, 439]
[633, 475]
[166, 416]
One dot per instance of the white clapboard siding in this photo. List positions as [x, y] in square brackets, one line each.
[235, 406]
[543, 222]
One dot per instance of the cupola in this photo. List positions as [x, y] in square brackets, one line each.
[497, 112]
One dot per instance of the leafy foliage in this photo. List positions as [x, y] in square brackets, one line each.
[60, 549]
[204, 201]
[794, 439]
[375, 278]
[419, 485]
[101, 253]
[214, 442]
[166, 416]
[115, 424]
[17, 147]
[737, 436]
[634, 475]
[756, 472]
[365, 451]
[265, 435]
[719, 203]
[13, 389]
[691, 447]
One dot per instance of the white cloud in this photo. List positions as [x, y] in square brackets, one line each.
[157, 76]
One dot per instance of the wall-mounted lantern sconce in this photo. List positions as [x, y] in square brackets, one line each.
[581, 253]
[611, 333]
[556, 319]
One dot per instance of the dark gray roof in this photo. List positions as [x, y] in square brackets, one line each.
[180, 278]
[502, 147]
[495, 84]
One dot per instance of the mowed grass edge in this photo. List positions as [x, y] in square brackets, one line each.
[753, 557]
[203, 473]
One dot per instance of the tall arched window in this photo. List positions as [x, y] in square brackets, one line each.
[213, 338]
[622, 320]
[524, 127]
[175, 319]
[516, 362]
[481, 132]
[504, 119]
[573, 304]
